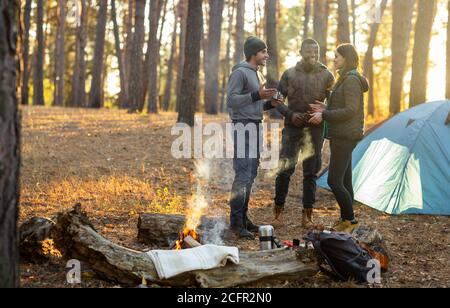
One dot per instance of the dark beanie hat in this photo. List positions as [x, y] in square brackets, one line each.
[253, 45]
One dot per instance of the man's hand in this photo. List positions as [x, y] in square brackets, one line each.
[316, 118]
[318, 107]
[266, 93]
[298, 119]
[276, 102]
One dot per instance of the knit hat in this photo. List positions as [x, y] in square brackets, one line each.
[253, 45]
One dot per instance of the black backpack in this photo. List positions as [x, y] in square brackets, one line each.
[347, 259]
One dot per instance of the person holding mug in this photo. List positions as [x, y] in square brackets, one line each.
[344, 118]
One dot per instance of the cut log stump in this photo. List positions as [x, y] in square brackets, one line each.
[75, 237]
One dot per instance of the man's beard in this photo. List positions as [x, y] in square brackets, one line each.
[307, 66]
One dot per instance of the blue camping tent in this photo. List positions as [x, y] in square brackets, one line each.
[403, 166]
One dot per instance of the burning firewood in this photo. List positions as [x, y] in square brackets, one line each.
[162, 230]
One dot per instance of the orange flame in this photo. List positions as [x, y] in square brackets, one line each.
[186, 232]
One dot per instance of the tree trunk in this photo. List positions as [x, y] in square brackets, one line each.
[272, 46]
[212, 55]
[368, 60]
[426, 14]
[239, 38]
[78, 96]
[75, 236]
[38, 72]
[59, 55]
[136, 90]
[190, 82]
[119, 54]
[353, 22]
[401, 31]
[447, 92]
[95, 95]
[124, 96]
[321, 27]
[306, 19]
[173, 50]
[25, 54]
[343, 30]
[226, 61]
[153, 56]
[10, 146]
[160, 39]
[181, 54]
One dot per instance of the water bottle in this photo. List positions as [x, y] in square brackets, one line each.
[265, 237]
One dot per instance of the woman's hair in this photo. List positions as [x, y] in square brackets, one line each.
[349, 53]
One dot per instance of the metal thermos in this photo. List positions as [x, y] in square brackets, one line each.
[266, 237]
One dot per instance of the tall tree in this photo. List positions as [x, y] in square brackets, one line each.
[272, 46]
[173, 51]
[78, 96]
[190, 80]
[447, 91]
[25, 53]
[119, 54]
[343, 29]
[38, 70]
[212, 54]
[320, 27]
[306, 19]
[226, 60]
[181, 53]
[402, 13]
[153, 56]
[353, 22]
[128, 25]
[59, 55]
[136, 90]
[368, 59]
[426, 14]
[239, 32]
[95, 94]
[10, 147]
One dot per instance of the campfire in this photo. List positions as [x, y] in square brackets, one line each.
[197, 205]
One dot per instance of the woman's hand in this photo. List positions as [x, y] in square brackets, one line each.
[316, 118]
[318, 107]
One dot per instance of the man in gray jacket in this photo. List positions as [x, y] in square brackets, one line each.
[247, 99]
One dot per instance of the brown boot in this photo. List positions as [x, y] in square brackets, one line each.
[307, 218]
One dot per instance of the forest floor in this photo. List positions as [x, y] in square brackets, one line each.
[118, 165]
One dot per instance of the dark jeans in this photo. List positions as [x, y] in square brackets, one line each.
[246, 169]
[310, 141]
[340, 175]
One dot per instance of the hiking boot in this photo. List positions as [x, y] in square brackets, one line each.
[251, 226]
[345, 226]
[245, 234]
[239, 232]
[307, 218]
[277, 210]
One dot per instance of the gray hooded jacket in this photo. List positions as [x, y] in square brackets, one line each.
[243, 100]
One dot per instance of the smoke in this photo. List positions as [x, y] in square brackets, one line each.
[212, 233]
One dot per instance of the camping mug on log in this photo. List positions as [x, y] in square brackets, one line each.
[265, 237]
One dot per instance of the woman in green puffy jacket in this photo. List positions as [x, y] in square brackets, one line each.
[344, 117]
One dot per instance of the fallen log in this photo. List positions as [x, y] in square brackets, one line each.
[76, 238]
[162, 230]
